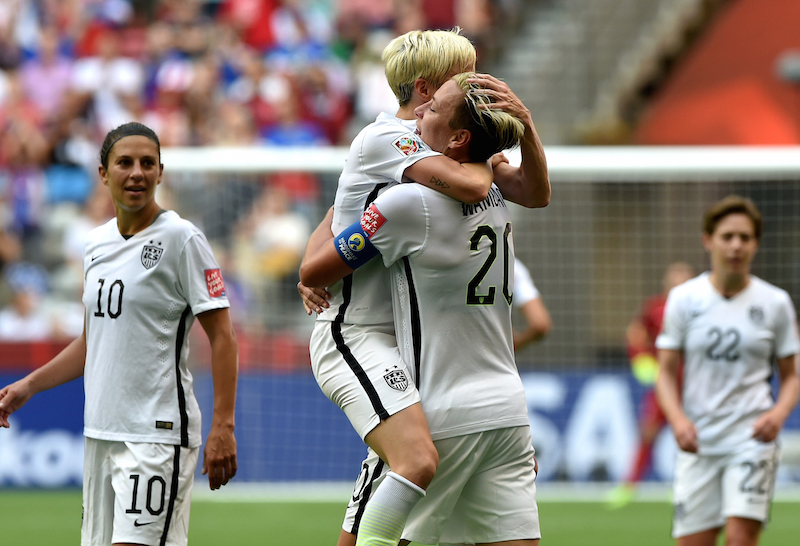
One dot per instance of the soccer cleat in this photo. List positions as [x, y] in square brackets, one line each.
[620, 496]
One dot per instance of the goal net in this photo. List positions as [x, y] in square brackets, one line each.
[618, 216]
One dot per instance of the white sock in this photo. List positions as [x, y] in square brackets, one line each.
[387, 511]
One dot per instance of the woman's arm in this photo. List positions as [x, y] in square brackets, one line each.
[465, 182]
[219, 456]
[537, 322]
[770, 423]
[529, 184]
[321, 265]
[66, 366]
[669, 397]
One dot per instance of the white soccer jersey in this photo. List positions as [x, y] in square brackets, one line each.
[141, 296]
[524, 289]
[453, 273]
[728, 345]
[378, 157]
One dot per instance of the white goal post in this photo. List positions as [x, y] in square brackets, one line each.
[617, 217]
[602, 163]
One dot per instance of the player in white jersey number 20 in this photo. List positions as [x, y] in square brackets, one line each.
[452, 268]
[354, 351]
[147, 274]
[728, 325]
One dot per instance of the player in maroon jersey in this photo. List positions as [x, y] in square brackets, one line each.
[641, 337]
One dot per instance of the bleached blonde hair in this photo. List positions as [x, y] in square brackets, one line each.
[428, 54]
[492, 130]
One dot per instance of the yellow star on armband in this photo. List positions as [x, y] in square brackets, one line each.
[645, 368]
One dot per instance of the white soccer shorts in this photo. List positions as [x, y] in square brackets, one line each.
[136, 493]
[709, 489]
[373, 470]
[484, 491]
[360, 369]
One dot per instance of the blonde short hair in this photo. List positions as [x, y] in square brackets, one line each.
[492, 130]
[428, 54]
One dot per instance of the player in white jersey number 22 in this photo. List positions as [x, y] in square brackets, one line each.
[728, 326]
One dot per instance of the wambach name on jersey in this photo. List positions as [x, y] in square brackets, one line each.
[494, 199]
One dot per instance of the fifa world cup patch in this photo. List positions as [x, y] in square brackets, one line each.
[407, 145]
[216, 286]
[372, 220]
[397, 379]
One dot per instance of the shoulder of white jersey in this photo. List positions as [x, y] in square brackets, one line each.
[761, 284]
[403, 194]
[767, 289]
[175, 225]
[522, 274]
[384, 125]
[401, 138]
[103, 229]
[520, 268]
[696, 285]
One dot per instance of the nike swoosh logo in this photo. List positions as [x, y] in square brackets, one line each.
[95, 257]
[137, 524]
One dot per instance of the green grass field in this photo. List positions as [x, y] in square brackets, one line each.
[46, 518]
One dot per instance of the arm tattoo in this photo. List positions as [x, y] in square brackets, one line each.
[437, 182]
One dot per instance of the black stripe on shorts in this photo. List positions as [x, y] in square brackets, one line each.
[365, 495]
[352, 361]
[173, 494]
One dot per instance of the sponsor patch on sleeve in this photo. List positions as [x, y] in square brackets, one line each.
[372, 220]
[214, 282]
[407, 144]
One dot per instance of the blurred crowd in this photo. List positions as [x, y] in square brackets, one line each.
[200, 73]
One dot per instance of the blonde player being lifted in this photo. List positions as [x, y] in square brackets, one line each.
[452, 271]
[728, 326]
[147, 274]
[353, 347]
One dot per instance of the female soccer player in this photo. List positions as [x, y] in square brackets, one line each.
[354, 351]
[147, 274]
[727, 324]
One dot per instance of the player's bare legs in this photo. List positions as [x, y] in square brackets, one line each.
[346, 539]
[742, 532]
[404, 442]
[703, 538]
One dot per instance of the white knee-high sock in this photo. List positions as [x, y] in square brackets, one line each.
[387, 511]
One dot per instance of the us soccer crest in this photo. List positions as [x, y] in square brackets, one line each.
[757, 314]
[151, 255]
[396, 379]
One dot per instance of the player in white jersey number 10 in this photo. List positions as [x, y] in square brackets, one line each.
[728, 326]
[147, 274]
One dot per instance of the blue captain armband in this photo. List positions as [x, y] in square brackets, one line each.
[354, 246]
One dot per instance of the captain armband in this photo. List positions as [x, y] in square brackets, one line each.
[354, 246]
